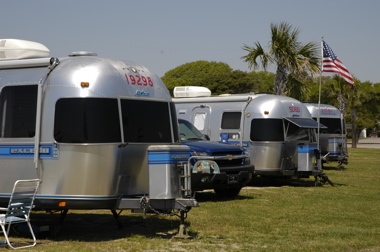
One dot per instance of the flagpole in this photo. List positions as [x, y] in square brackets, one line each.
[319, 94]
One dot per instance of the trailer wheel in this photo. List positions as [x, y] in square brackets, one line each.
[228, 192]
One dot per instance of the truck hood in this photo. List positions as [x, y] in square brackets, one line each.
[211, 147]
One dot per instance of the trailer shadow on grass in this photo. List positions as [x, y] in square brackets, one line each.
[97, 225]
[280, 182]
[262, 182]
[332, 167]
[211, 196]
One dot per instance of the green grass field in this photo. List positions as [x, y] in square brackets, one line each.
[270, 215]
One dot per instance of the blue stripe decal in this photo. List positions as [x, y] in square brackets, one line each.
[68, 197]
[76, 197]
[27, 151]
[167, 156]
[245, 144]
[334, 154]
[306, 149]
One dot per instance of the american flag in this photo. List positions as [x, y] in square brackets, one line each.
[332, 64]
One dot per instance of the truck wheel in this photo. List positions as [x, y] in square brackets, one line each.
[228, 192]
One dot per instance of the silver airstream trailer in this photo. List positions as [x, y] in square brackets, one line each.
[99, 133]
[332, 140]
[277, 131]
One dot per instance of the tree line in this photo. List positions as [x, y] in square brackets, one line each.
[297, 76]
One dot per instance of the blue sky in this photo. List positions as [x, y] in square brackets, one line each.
[163, 34]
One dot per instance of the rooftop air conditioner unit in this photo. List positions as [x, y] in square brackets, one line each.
[16, 49]
[191, 91]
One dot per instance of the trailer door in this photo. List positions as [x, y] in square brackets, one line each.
[18, 128]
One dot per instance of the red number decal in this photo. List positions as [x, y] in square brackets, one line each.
[132, 78]
[143, 80]
[150, 82]
[139, 80]
[126, 76]
[294, 109]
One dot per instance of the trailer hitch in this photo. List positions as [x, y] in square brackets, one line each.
[320, 177]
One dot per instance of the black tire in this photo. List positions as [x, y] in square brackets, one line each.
[228, 192]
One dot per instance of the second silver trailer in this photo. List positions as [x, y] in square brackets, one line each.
[332, 139]
[277, 131]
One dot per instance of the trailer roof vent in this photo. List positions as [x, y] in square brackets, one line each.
[191, 91]
[82, 53]
[15, 49]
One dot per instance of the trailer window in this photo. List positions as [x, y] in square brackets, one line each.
[231, 120]
[147, 121]
[333, 125]
[265, 129]
[200, 121]
[18, 106]
[87, 120]
[293, 132]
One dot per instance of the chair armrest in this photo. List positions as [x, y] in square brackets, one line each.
[3, 209]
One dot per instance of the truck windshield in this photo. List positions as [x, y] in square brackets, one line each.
[189, 132]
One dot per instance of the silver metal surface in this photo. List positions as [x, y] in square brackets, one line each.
[84, 175]
[269, 157]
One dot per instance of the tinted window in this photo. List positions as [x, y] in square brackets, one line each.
[333, 125]
[18, 106]
[267, 130]
[147, 121]
[231, 120]
[87, 120]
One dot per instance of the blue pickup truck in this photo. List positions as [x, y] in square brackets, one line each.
[222, 167]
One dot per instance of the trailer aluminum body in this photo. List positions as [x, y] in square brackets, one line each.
[99, 133]
[277, 131]
[333, 139]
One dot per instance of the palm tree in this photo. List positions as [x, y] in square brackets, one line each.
[290, 56]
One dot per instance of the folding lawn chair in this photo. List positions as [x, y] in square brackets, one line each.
[19, 207]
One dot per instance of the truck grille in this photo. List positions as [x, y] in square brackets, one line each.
[233, 162]
[234, 153]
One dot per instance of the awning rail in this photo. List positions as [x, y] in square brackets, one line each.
[305, 122]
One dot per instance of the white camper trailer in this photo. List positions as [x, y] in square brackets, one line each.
[332, 140]
[99, 133]
[277, 131]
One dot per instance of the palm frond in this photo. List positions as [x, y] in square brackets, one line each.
[285, 50]
[255, 52]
